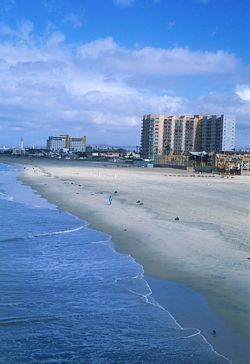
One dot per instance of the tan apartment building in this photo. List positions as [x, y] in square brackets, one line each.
[179, 134]
[163, 135]
[152, 135]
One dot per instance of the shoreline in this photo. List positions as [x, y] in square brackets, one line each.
[196, 313]
[127, 232]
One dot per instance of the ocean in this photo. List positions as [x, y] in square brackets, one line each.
[66, 295]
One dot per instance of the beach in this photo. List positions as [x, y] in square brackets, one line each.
[206, 249]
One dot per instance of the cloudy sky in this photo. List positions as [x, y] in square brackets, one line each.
[94, 67]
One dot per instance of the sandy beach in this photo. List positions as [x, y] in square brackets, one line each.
[207, 249]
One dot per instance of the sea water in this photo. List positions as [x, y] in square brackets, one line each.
[66, 295]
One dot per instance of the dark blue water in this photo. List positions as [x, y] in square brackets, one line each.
[66, 296]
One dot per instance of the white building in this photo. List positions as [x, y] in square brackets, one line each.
[65, 142]
[57, 143]
[228, 134]
[77, 144]
[19, 150]
[21, 143]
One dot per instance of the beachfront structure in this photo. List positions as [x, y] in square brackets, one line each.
[236, 163]
[152, 136]
[228, 137]
[217, 133]
[65, 142]
[179, 134]
[163, 135]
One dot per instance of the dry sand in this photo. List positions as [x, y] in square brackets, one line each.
[208, 249]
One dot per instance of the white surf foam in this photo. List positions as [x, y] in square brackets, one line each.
[150, 300]
[4, 196]
[58, 232]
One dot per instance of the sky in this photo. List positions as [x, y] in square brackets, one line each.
[94, 67]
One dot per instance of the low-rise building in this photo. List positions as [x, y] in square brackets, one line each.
[236, 163]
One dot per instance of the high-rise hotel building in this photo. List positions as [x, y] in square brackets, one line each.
[163, 135]
[217, 133]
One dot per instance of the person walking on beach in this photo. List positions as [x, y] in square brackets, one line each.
[110, 200]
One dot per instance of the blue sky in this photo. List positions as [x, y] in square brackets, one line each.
[94, 67]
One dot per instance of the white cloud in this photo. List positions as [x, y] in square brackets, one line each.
[49, 86]
[97, 48]
[226, 103]
[22, 32]
[243, 91]
[108, 55]
[56, 39]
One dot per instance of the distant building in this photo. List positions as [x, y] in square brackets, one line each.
[77, 144]
[62, 142]
[19, 150]
[21, 144]
[163, 135]
[57, 143]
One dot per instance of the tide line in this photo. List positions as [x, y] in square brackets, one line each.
[154, 303]
[58, 232]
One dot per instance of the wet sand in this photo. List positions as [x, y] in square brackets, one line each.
[206, 250]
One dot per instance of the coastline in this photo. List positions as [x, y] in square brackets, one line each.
[192, 310]
[83, 196]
